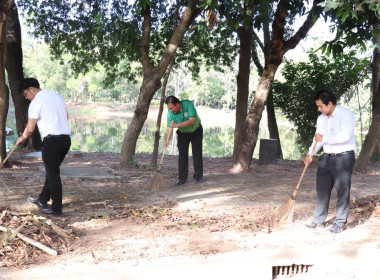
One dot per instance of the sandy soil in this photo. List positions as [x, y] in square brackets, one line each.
[118, 219]
[223, 226]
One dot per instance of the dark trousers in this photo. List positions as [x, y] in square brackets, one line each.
[334, 170]
[184, 140]
[54, 151]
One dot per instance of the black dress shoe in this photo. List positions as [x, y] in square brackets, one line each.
[198, 181]
[50, 211]
[179, 182]
[37, 202]
[335, 229]
[313, 225]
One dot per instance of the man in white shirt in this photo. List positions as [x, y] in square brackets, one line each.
[335, 133]
[47, 109]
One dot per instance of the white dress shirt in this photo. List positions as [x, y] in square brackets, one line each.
[337, 131]
[49, 109]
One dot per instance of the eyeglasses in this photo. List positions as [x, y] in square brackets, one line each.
[25, 92]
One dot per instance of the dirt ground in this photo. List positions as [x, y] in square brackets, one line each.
[227, 219]
[219, 229]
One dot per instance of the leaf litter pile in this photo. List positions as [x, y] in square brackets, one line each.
[24, 237]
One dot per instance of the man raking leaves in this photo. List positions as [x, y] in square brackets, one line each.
[335, 133]
[47, 109]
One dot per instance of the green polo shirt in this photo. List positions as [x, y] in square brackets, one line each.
[188, 111]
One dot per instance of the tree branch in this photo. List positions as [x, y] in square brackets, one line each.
[258, 41]
[306, 26]
[188, 18]
[256, 61]
[146, 28]
[31, 241]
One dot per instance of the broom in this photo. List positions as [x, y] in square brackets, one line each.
[285, 212]
[157, 180]
[5, 160]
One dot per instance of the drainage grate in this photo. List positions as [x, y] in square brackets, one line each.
[285, 271]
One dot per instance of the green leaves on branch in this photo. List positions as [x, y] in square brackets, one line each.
[141, 5]
[295, 97]
[351, 7]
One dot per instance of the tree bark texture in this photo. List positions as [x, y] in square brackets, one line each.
[245, 38]
[14, 67]
[372, 137]
[272, 124]
[4, 92]
[278, 47]
[152, 77]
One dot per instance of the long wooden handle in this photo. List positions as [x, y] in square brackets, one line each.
[163, 152]
[303, 173]
[5, 160]
[162, 158]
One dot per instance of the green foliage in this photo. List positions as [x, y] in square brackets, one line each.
[109, 33]
[351, 7]
[295, 96]
[215, 92]
[354, 22]
[185, 95]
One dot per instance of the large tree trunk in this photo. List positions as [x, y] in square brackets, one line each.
[376, 150]
[372, 137]
[251, 125]
[4, 92]
[152, 76]
[245, 38]
[13, 65]
[272, 124]
[278, 48]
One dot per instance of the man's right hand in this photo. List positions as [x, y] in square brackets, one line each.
[308, 159]
[168, 134]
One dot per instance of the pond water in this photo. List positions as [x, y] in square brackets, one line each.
[100, 132]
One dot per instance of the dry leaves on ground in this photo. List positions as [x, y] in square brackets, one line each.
[24, 235]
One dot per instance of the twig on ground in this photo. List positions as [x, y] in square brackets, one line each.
[31, 241]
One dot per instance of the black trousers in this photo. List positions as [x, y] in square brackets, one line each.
[184, 140]
[334, 170]
[54, 151]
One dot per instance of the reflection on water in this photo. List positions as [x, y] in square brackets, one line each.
[94, 133]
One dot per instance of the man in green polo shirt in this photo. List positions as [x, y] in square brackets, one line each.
[183, 115]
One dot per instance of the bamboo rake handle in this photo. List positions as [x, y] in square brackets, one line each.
[163, 152]
[162, 158]
[5, 160]
[303, 173]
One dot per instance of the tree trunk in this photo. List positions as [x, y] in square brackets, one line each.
[4, 92]
[376, 150]
[245, 38]
[272, 124]
[372, 137]
[278, 48]
[159, 118]
[152, 76]
[13, 65]
[251, 125]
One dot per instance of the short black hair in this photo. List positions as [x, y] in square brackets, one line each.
[325, 95]
[171, 100]
[27, 83]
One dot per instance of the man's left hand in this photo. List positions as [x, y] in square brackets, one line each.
[318, 137]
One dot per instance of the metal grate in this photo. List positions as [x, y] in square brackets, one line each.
[285, 271]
